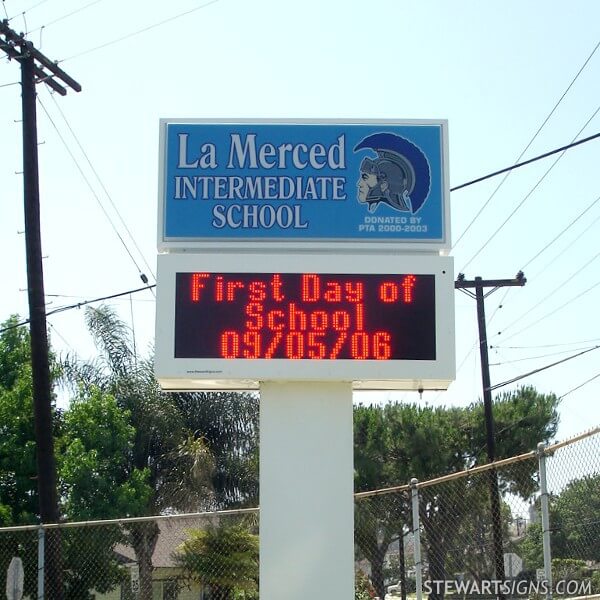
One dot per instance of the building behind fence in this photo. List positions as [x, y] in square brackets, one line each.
[423, 538]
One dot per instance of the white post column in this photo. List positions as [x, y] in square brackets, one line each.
[306, 491]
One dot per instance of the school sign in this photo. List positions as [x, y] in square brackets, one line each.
[348, 184]
[303, 259]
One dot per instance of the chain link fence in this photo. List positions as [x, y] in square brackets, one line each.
[528, 526]
[452, 521]
[439, 538]
[573, 481]
[178, 557]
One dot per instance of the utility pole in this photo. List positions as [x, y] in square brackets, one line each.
[479, 284]
[35, 67]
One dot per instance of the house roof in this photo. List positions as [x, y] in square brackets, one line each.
[172, 533]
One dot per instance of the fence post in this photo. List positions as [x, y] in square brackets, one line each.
[41, 567]
[545, 518]
[416, 537]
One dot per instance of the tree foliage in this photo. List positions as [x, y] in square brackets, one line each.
[575, 528]
[363, 589]
[98, 479]
[97, 482]
[228, 423]
[18, 469]
[397, 442]
[224, 557]
[175, 433]
[15, 353]
[123, 448]
[577, 508]
[127, 449]
[193, 451]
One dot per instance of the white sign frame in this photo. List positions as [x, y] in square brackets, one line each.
[246, 374]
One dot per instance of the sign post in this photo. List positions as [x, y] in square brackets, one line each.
[134, 578]
[14, 579]
[306, 491]
[302, 259]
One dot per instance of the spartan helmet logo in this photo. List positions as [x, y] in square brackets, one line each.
[398, 177]
[388, 178]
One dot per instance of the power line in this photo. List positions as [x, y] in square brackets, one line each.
[65, 342]
[564, 230]
[80, 305]
[550, 294]
[61, 18]
[139, 31]
[516, 360]
[62, 139]
[508, 290]
[551, 262]
[492, 388]
[500, 305]
[459, 367]
[529, 194]
[98, 178]
[101, 299]
[83, 296]
[571, 300]
[535, 371]
[579, 386]
[508, 171]
[546, 247]
[22, 14]
[547, 345]
[528, 162]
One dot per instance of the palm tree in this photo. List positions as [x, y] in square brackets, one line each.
[199, 450]
[228, 422]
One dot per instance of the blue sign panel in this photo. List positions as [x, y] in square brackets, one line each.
[306, 182]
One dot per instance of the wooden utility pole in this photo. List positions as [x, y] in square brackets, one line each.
[35, 67]
[479, 284]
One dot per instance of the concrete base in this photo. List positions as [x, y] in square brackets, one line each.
[306, 491]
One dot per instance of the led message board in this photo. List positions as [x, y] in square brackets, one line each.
[364, 319]
[305, 316]
[298, 183]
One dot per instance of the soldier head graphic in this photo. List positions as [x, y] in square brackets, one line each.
[398, 175]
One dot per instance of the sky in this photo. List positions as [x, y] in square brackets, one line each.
[508, 76]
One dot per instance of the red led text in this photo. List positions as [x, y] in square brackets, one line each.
[300, 316]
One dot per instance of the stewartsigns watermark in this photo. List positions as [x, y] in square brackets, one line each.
[511, 588]
[305, 182]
